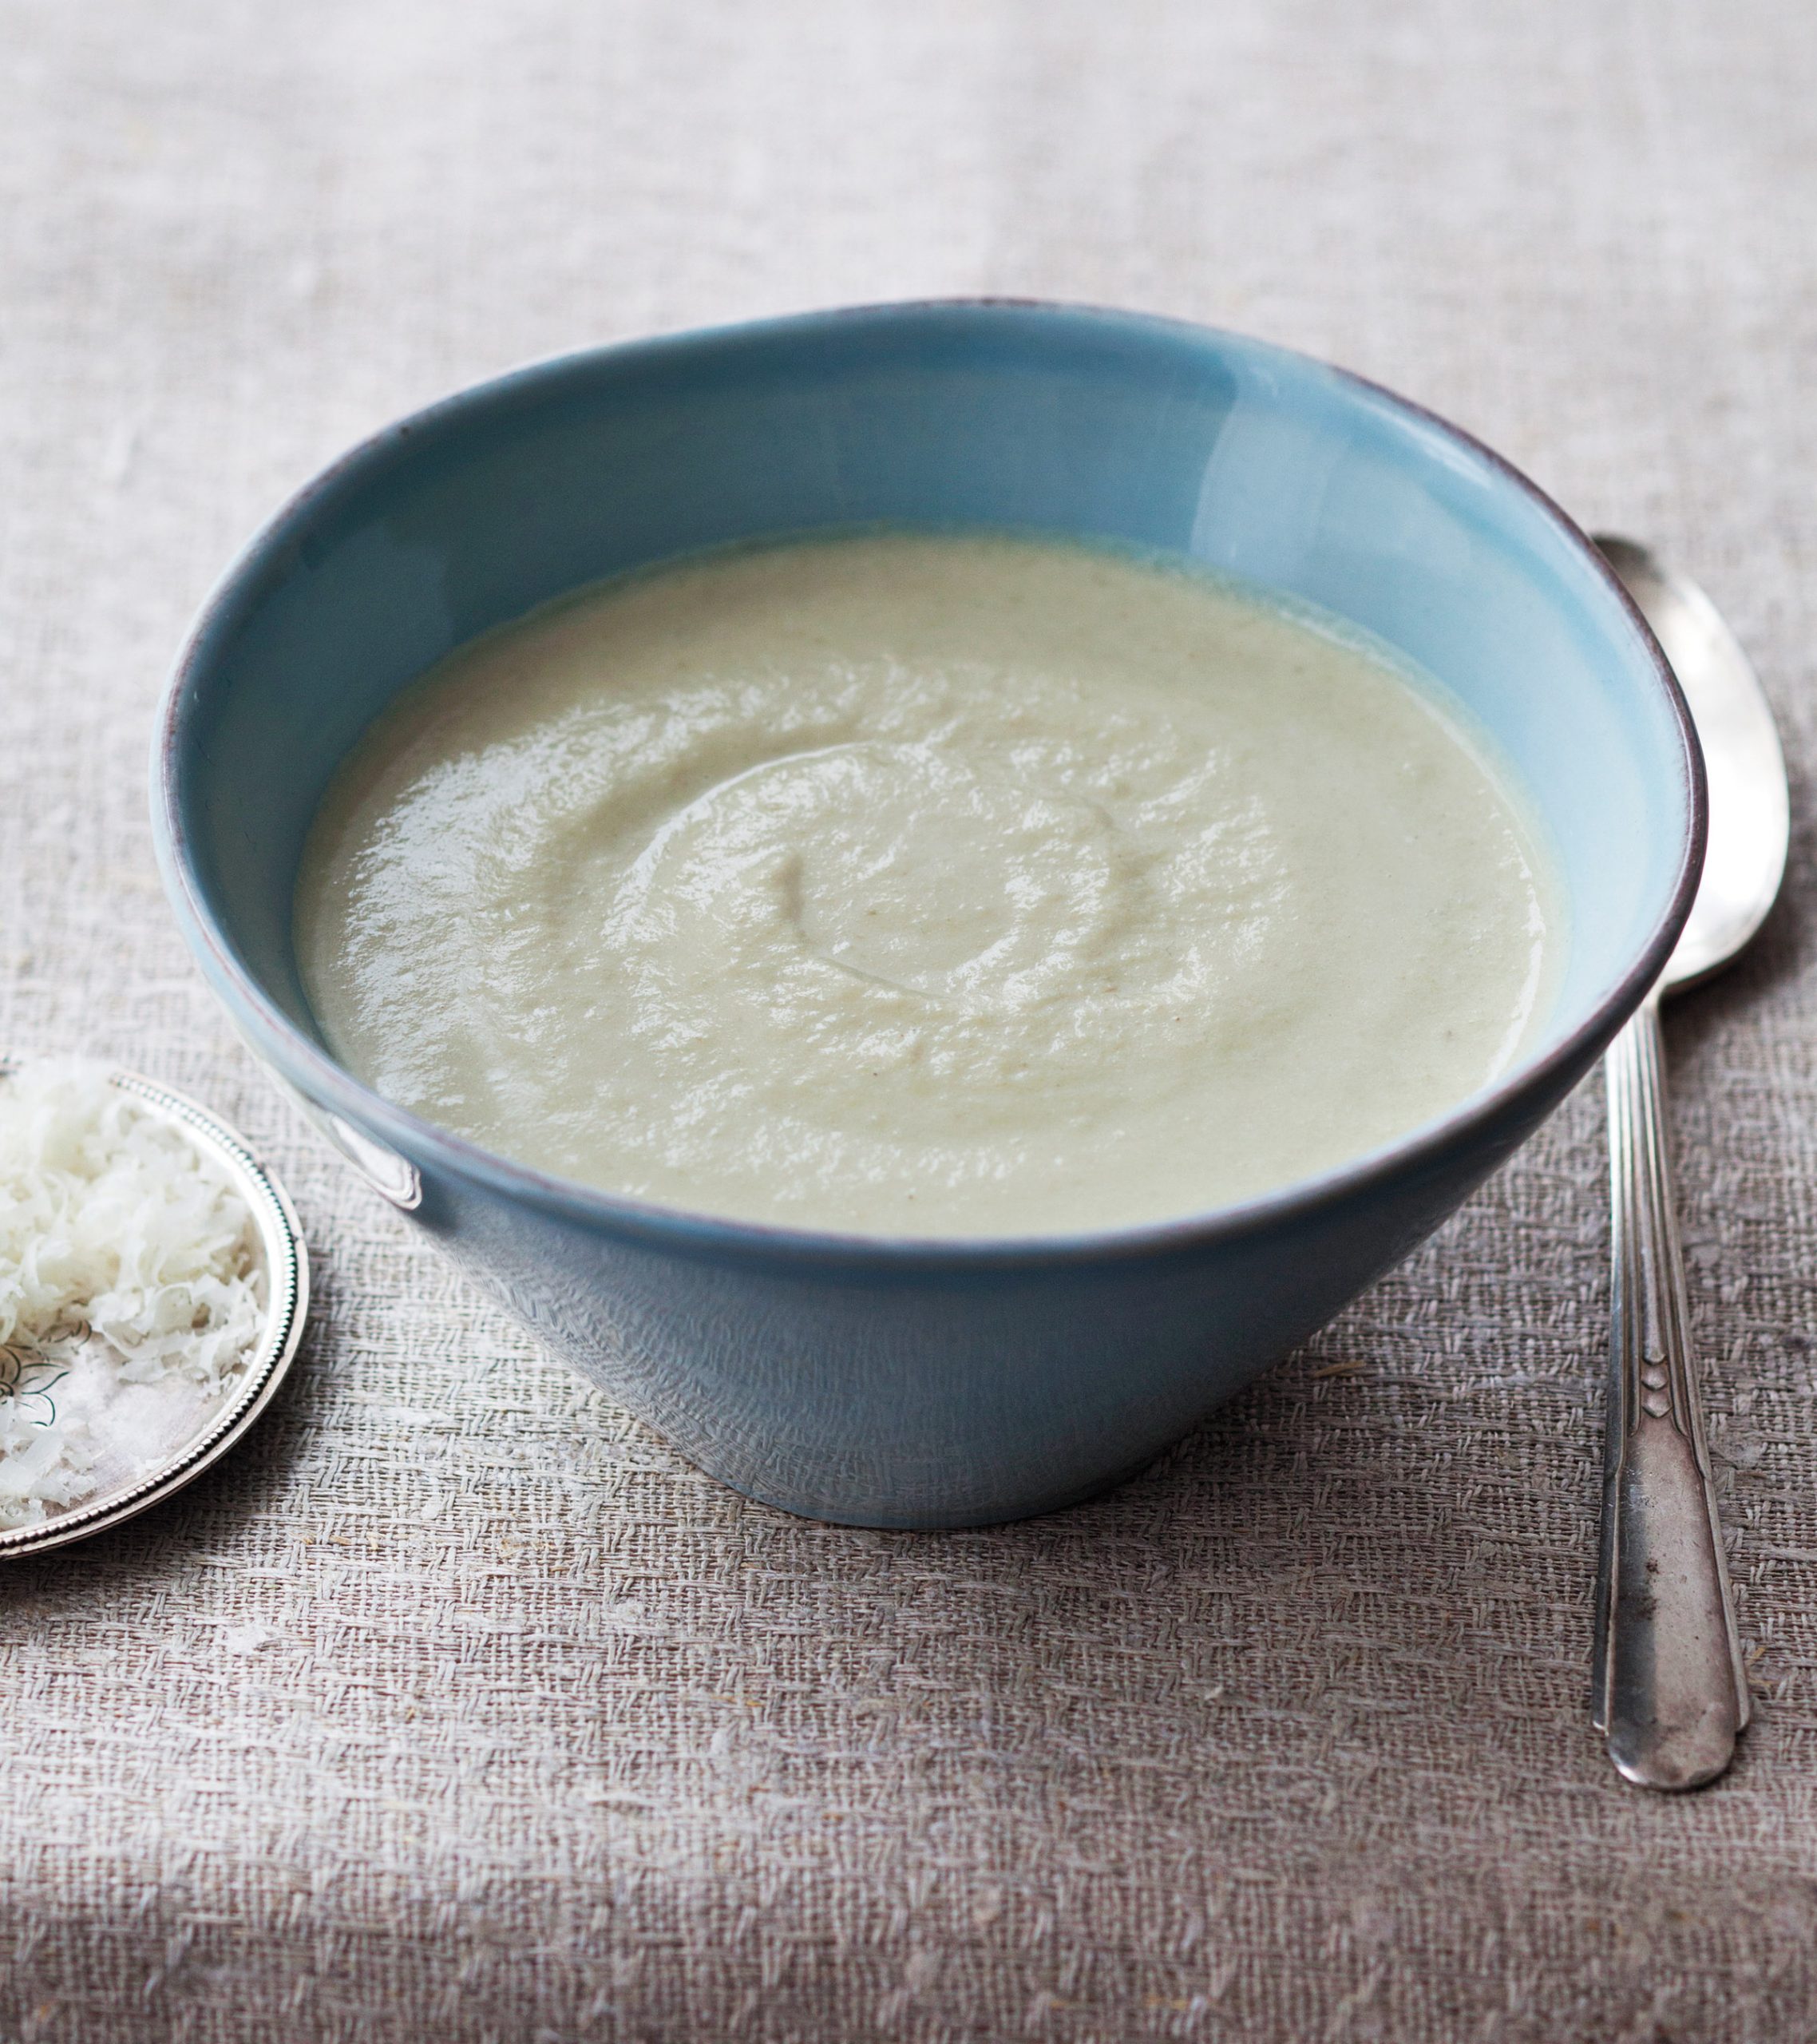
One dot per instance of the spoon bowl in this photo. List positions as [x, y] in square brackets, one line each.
[1750, 813]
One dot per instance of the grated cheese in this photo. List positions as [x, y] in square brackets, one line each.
[131, 1288]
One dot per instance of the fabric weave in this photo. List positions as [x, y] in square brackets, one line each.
[454, 1706]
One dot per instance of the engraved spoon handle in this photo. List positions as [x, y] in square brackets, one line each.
[1670, 1691]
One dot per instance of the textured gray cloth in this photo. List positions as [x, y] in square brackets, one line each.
[455, 1706]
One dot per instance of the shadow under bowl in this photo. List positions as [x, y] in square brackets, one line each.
[917, 1383]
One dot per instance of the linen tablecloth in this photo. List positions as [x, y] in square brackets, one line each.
[455, 1706]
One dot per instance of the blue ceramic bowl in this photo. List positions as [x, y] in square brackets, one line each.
[885, 1382]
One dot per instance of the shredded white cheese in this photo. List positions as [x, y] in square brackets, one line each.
[131, 1288]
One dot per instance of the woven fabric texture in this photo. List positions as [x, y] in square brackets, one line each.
[455, 1706]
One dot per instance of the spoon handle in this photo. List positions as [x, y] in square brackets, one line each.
[1670, 1690]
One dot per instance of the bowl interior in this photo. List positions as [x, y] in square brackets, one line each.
[1100, 425]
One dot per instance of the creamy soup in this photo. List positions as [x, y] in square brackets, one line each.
[925, 884]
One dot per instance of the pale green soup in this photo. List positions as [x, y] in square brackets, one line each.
[925, 884]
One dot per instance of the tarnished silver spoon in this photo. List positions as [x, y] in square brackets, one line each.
[1670, 1688]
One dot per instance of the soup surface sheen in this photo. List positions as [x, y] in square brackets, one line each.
[923, 885]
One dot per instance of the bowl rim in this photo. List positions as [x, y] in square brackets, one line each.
[277, 1039]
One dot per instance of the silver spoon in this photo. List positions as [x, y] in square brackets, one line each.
[1670, 1690]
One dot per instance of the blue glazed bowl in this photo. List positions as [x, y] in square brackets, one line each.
[914, 1383]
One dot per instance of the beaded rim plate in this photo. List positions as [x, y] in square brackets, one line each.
[286, 1264]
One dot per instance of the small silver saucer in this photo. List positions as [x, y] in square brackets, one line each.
[221, 1426]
